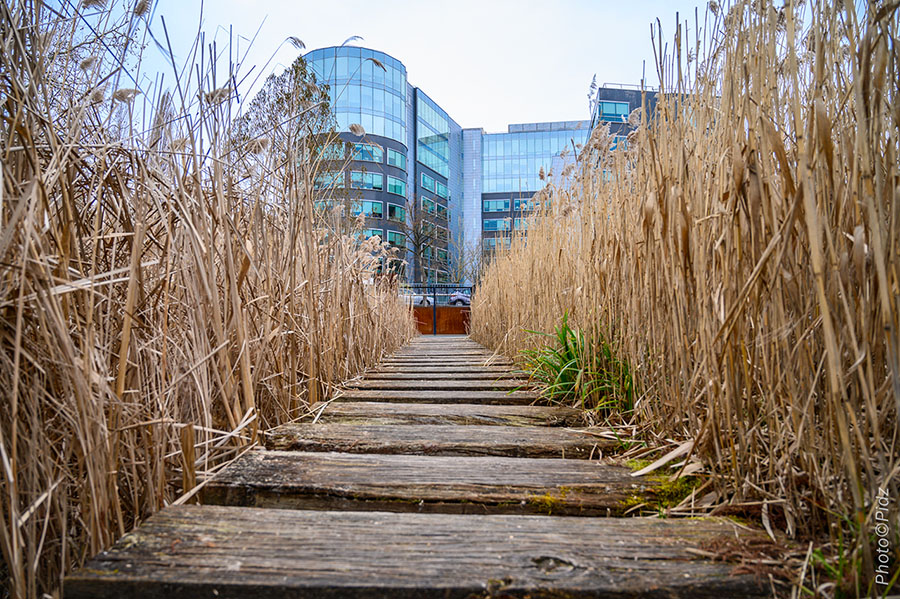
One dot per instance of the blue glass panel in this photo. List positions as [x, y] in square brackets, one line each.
[343, 67]
[378, 100]
[377, 76]
[353, 96]
[378, 126]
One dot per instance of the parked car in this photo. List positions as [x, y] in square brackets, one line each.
[416, 299]
[459, 298]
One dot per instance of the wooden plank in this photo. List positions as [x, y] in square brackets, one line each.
[402, 375]
[443, 349]
[449, 349]
[412, 396]
[438, 439]
[397, 483]
[487, 360]
[457, 363]
[443, 339]
[437, 368]
[363, 412]
[186, 551]
[481, 356]
[439, 385]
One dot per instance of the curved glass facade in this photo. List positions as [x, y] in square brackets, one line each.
[422, 182]
[361, 92]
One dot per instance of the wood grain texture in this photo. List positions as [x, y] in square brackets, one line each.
[406, 483]
[446, 348]
[470, 362]
[214, 551]
[439, 384]
[448, 319]
[428, 369]
[438, 439]
[434, 355]
[465, 375]
[364, 412]
[425, 396]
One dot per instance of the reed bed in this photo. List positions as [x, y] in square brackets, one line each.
[167, 289]
[743, 257]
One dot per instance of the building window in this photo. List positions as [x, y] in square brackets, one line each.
[396, 213]
[428, 205]
[496, 224]
[491, 243]
[396, 158]
[442, 255]
[397, 186]
[367, 153]
[441, 211]
[369, 208]
[329, 179]
[433, 137]
[442, 234]
[495, 205]
[524, 204]
[613, 111]
[443, 276]
[332, 151]
[397, 240]
[361, 180]
[440, 189]
[369, 233]
[427, 183]
[620, 142]
[521, 224]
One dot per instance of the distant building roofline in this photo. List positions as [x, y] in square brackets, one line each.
[637, 86]
[533, 127]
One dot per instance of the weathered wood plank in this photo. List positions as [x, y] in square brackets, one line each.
[438, 439]
[466, 375]
[426, 369]
[448, 361]
[442, 351]
[364, 412]
[411, 396]
[444, 339]
[416, 354]
[305, 480]
[439, 385]
[214, 551]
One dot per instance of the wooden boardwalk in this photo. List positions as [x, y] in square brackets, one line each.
[432, 476]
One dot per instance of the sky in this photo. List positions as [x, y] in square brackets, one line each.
[488, 63]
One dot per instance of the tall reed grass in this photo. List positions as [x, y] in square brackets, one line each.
[167, 290]
[744, 256]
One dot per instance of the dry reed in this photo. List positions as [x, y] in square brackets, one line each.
[744, 256]
[167, 289]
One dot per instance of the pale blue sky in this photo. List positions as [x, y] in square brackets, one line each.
[488, 63]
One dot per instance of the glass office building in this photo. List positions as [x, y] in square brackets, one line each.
[510, 168]
[419, 180]
[361, 91]
[615, 103]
